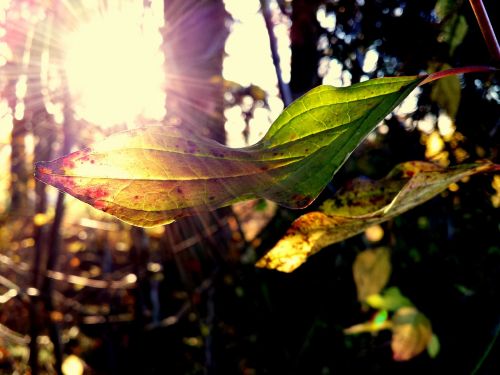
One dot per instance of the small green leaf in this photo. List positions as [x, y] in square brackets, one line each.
[363, 203]
[154, 175]
[381, 317]
[433, 347]
[390, 300]
[454, 26]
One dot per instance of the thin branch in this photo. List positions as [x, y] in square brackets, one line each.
[487, 351]
[450, 72]
[54, 240]
[285, 92]
[126, 282]
[12, 336]
[486, 28]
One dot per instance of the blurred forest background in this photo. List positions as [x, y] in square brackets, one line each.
[87, 293]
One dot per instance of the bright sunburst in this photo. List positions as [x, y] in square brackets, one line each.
[113, 64]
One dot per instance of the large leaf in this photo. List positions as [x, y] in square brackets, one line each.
[361, 204]
[154, 175]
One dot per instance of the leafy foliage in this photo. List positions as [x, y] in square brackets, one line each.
[154, 175]
[363, 203]
[411, 330]
[453, 25]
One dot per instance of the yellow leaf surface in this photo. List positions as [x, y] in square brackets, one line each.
[361, 204]
[391, 300]
[412, 333]
[371, 270]
[378, 322]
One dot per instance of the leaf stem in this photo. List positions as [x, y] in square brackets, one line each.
[486, 28]
[450, 72]
[487, 351]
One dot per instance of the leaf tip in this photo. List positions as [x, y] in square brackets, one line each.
[285, 264]
[43, 171]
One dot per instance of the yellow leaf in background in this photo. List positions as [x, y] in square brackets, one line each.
[370, 327]
[41, 219]
[298, 243]
[75, 246]
[379, 322]
[361, 204]
[433, 145]
[411, 333]
[371, 271]
[390, 300]
[495, 184]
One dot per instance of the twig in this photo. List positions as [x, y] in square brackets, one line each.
[12, 336]
[285, 92]
[125, 282]
[53, 242]
[487, 351]
[44, 146]
[486, 28]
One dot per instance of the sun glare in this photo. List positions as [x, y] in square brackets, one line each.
[114, 68]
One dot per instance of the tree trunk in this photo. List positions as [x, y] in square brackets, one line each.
[194, 39]
[304, 37]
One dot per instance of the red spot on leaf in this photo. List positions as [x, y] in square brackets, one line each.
[90, 193]
[68, 164]
[101, 205]
[97, 193]
[44, 170]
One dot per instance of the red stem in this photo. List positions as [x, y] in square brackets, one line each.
[486, 28]
[450, 72]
